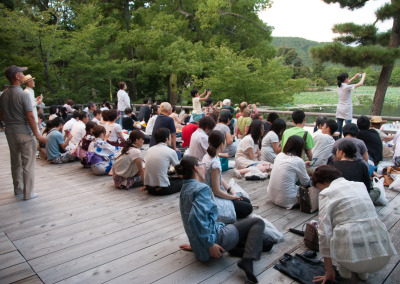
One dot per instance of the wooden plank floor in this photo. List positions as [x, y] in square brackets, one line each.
[82, 230]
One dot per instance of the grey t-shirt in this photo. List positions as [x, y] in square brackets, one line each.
[225, 129]
[14, 103]
[361, 148]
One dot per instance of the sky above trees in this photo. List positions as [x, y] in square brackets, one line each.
[314, 19]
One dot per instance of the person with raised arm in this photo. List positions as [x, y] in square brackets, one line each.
[344, 110]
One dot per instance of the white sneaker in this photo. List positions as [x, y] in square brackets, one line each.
[33, 196]
[237, 174]
[363, 276]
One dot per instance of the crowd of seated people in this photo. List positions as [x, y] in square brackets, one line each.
[289, 155]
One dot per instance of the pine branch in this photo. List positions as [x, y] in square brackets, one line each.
[245, 18]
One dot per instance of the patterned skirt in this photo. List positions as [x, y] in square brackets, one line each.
[127, 183]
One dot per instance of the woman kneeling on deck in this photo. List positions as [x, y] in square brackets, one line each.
[209, 238]
[128, 169]
[350, 232]
[223, 192]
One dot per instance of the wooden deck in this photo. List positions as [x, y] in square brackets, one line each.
[82, 230]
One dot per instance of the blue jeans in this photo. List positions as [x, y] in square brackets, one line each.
[340, 124]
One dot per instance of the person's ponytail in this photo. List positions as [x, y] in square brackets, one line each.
[133, 136]
[215, 140]
[341, 78]
[212, 151]
[186, 167]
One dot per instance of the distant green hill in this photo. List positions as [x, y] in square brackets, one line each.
[301, 45]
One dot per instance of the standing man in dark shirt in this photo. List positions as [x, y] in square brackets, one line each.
[16, 112]
[145, 111]
[371, 139]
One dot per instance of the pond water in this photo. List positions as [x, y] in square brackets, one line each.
[388, 109]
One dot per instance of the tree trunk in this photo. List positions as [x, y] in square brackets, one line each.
[173, 89]
[386, 71]
[380, 91]
[131, 75]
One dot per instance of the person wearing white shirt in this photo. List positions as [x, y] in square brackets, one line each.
[158, 160]
[344, 110]
[68, 125]
[199, 141]
[97, 116]
[123, 100]
[350, 231]
[324, 141]
[78, 131]
[29, 82]
[288, 169]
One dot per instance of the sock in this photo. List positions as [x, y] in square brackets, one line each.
[246, 265]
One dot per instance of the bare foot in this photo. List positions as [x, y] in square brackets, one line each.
[375, 174]
[186, 247]
[263, 168]
[237, 174]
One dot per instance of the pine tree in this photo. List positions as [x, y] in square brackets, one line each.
[372, 47]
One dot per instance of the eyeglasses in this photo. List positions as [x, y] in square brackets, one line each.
[201, 164]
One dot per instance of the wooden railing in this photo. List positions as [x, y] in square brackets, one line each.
[284, 114]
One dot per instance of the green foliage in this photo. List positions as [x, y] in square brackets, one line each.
[361, 56]
[238, 78]
[300, 45]
[81, 50]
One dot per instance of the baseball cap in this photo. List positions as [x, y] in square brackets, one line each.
[12, 70]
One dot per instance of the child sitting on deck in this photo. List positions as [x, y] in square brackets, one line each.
[101, 154]
[128, 170]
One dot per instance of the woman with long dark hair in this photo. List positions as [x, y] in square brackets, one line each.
[223, 192]
[270, 145]
[248, 154]
[209, 238]
[344, 110]
[288, 169]
[128, 170]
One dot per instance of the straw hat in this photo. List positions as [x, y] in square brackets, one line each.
[378, 119]
[28, 78]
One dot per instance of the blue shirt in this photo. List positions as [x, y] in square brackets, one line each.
[162, 121]
[54, 140]
[199, 214]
